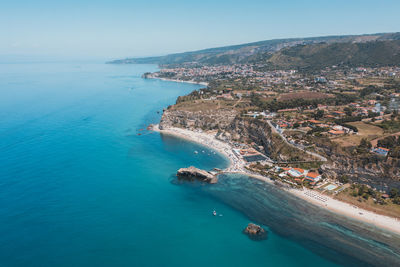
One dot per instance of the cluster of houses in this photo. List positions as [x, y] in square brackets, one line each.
[233, 71]
[332, 128]
[298, 175]
[285, 80]
[384, 71]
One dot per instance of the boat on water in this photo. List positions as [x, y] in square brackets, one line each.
[195, 152]
[214, 213]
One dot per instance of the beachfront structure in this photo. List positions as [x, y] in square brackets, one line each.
[296, 172]
[313, 177]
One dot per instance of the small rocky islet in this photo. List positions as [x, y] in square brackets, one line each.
[255, 232]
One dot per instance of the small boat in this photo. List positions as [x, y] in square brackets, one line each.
[214, 213]
[195, 152]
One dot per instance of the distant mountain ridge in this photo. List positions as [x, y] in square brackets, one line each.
[321, 55]
[252, 51]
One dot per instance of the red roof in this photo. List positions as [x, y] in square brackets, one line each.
[299, 170]
[336, 132]
[312, 175]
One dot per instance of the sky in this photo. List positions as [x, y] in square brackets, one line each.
[122, 28]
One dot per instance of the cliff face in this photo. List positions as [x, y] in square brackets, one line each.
[379, 173]
[232, 128]
[249, 130]
[206, 120]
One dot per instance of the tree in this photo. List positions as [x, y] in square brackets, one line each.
[387, 142]
[395, 152]
[362, 189]
[394, 192]
[344, 179]
[364, 146]
[318, 114]
[372, 114]
[348, 111]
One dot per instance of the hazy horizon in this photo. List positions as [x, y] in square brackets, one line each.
[102, 30]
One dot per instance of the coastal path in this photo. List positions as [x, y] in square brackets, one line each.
[322, 158]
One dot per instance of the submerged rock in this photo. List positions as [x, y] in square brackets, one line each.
[195, 173]
[255, 232]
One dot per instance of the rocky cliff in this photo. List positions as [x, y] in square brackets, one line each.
[206, 120]
[195, 173]
[376, 171]
[231, 127]
[379, 173]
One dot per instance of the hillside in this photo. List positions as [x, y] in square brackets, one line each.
[317, 56]
[244, 52]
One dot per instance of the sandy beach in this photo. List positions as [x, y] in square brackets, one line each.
[238, 166]
[209, 140]
[179, 81]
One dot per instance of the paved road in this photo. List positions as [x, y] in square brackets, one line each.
[292, 145]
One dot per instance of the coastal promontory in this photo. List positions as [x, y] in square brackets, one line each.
[193, 173]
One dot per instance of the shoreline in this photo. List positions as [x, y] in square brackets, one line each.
[208, 140]
[178, 81]
[237, 165]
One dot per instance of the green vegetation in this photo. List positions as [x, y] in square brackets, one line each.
[317, 56]
[344, 179]
[274, 105]
[390, 126]
[309, 90]
[328, 51]
[369, 199]
[364, 146]
[369, 90]
[392, 143]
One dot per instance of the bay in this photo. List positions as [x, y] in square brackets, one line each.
[82, 183]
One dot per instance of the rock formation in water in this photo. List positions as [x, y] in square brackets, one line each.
[197, 174]
[255, 232]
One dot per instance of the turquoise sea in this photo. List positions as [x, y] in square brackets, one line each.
[80, 187]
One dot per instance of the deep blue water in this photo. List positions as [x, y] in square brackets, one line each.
[80, 187]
